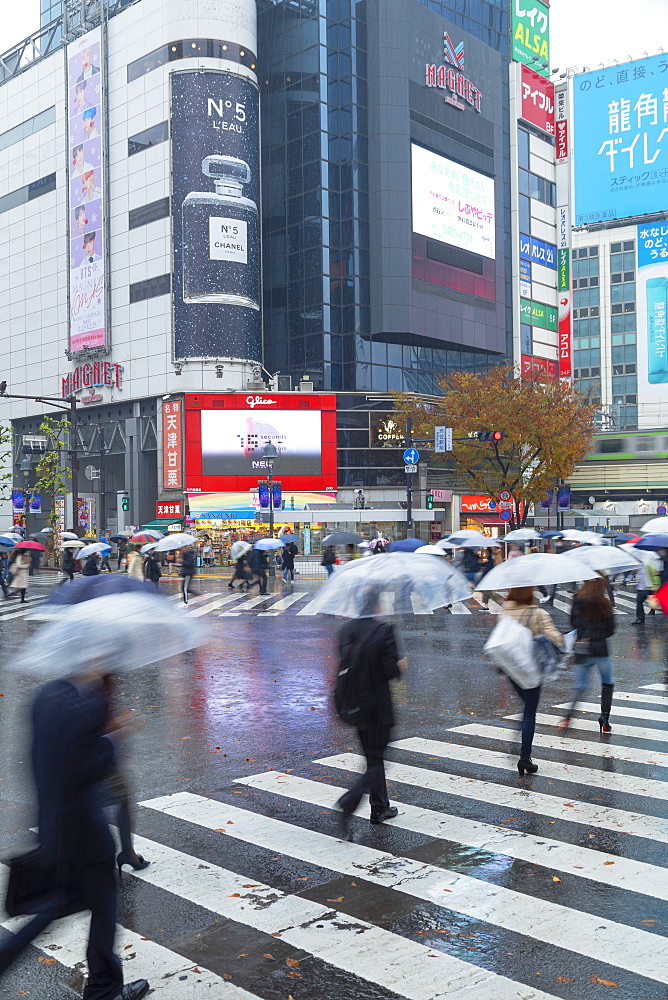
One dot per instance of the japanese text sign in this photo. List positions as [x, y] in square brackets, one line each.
[531, 34]
[621, 137]
[561, 124]
[169, 508]
[538, 252]
[537, 96]
[652, 309]
[172, 445]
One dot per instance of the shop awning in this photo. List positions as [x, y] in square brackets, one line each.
[162, 523]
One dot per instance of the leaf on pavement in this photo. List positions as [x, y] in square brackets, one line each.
[602, 982]
[564, 979]
[555, 878]
[251, 885]
[46, 961]
[234, 894]
[338, 899]
[219, 829]
[295, 975]
[292, 962]
[608, 862]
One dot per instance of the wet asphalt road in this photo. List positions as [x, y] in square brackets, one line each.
[555, 885]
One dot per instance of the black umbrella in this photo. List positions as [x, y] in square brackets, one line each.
[119, 538]
[619, 536]
[342, 538]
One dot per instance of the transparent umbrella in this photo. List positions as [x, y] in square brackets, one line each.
[658, 525]
[538, 569]
[604, 558]
[584, 537]
[522, 535]
[177, 541]
[239, 549]
[399, 583]
[469, 535]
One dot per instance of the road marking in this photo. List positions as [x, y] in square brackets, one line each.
[631, 949]
[603, 750]
[660, 735]
[630, 784]
[282, 605]
[634, 824]
[372, 953]
[212, 606]
[568, 607]
[650, 699]
[598, 866]
[460, 609]
[254, 601]
[631, 713]
[655, 687]
[308, 610]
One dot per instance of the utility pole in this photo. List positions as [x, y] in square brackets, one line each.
[409, 491]
[103, 514]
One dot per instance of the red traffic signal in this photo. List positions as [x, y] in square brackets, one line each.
[490, 435]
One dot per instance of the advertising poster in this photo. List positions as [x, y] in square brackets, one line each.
[537, 97]
[233, 442]
[85, 193]
[561, 124]
[18, 501]
[621, 139]
[564, 290]
[652, 312]
[531, 34]
[172, 444]
[216, 215]
[451, 203]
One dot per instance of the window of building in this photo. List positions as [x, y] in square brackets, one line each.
[149, 137]
[589, 386]
[28, 127]
[525, 213]
[538, 187]
[622, 354]
[151, 288]
[190, 48]
[523, 148]
[148, 213]
[27, 193]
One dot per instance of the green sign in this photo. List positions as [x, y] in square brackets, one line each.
[531, 35]
[564, 269]
[539, 314]
[525, 311]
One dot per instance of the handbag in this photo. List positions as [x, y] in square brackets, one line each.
[511, 648]
[548, 655]
[36, 885]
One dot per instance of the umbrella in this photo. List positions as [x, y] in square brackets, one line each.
[177, 541]
[269, 543]
[471, 543]
[443, 543]
[550, 534]
[657, 524]
[72, 543]
[604, 558]
[118, 538]
[652, 542]
[620, 536]
[8, 541]
[468, 535]
[40, 534]
[289, 539]
[647, 557]
[146, 536]
[94, 549]
[536, 570]
[68, 535]
[521, 535]
[86, 588]
[430, 550]
[584, 537]
[342, 538]
[239, 549]
[114, 633]
[148, 547]
[396, 584]
[406, 545]
[31, 545]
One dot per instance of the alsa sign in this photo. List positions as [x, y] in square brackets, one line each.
[450, 76]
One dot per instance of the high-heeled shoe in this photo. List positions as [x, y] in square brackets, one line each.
[564, 724]
[525, 764]
[136, 862]
[606, 704]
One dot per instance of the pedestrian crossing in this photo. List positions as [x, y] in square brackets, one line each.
[483, 887]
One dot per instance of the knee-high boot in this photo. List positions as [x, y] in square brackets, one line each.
[606, 703]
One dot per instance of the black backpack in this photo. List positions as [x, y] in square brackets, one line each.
[354, 693]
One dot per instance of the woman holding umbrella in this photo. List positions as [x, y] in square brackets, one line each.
[19, 570]
[593, 617]
[188, 570]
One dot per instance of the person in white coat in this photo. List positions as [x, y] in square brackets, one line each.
[19, 568]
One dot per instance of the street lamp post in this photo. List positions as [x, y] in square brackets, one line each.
[25, 467]
[269, 454]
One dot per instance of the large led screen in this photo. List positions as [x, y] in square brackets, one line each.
[451, 203]
[233, 442]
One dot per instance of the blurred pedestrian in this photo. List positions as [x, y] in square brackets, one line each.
[241, 575]
[486, 563]
[188, 570]
[152, 569]
[520, 604]
[68, 563]
[35, 560]
[170, 559]
[258, 563]
[207, 552]
[121, 553]
[135, 564]
[104, 556]
[19, 571]
[92, 565]
[289, 553]
[471, 565]
[329, 559]
[368, 661]
[70, 755]
[592, 615]
[514, 551]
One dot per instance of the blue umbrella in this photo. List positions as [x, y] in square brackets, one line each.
[406, 545]
[7, 542]
[652, 542]
[87, 588]
[269, 543]
[550, 534]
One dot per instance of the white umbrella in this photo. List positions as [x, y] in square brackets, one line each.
[646, 556]
[396, 584]
[72, 543]
[176, 541]
[145, 549]
[263, 544]
[443, 543]
[430, 550]
[468, 535]
[658, 525]
[584, 537]
[465, 533]
[521, 535]
[605, 558]
[472, 543]
[239, 549]
[69, 535]
[91, 550]
[538, 569]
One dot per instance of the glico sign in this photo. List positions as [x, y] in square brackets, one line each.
[450, 76]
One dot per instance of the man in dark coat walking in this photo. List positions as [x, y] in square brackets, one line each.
[258, 563]
[70, 755]
[372, 640]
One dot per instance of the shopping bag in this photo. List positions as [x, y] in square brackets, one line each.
[36, 885]
[511, 649]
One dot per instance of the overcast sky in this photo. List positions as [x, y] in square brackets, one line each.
[584, 32]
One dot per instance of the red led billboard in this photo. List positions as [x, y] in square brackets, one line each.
[226, 434]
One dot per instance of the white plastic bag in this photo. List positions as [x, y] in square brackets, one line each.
[510, 647]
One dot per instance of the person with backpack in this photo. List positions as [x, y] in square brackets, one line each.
[368, 660]
[329, 559]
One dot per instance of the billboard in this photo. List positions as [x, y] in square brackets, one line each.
[652, 312]
[531, 34]
[620, 141]
[86, 193]
[226, 435]
[451, 203]
[216, 292]
[537, 100]
[172, 444]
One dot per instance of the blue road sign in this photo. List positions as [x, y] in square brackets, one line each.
[506, 515]
[411, 456]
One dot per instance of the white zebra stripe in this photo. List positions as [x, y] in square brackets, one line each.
[655, 687]
[630, 713]
[637, 732]
[589, 776]
[285, 603]
[213, 606]
[518, 799]
[649, 699]
[598, 866]
[603, 750]
[630, 949]
[364, 950]
[460, 609]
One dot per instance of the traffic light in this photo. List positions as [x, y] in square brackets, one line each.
[125, 502]
[430, 500]
[490, 435]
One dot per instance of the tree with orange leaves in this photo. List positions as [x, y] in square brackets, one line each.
[547, 427]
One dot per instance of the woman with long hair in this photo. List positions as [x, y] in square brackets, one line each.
[593, 616]
[520, 604]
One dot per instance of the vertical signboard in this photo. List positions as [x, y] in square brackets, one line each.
[85, 193]
[172, 444]
[564, 292]
[537, 100]
[531, 34]
[216, 215]
[652, 312]
[561, 124]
